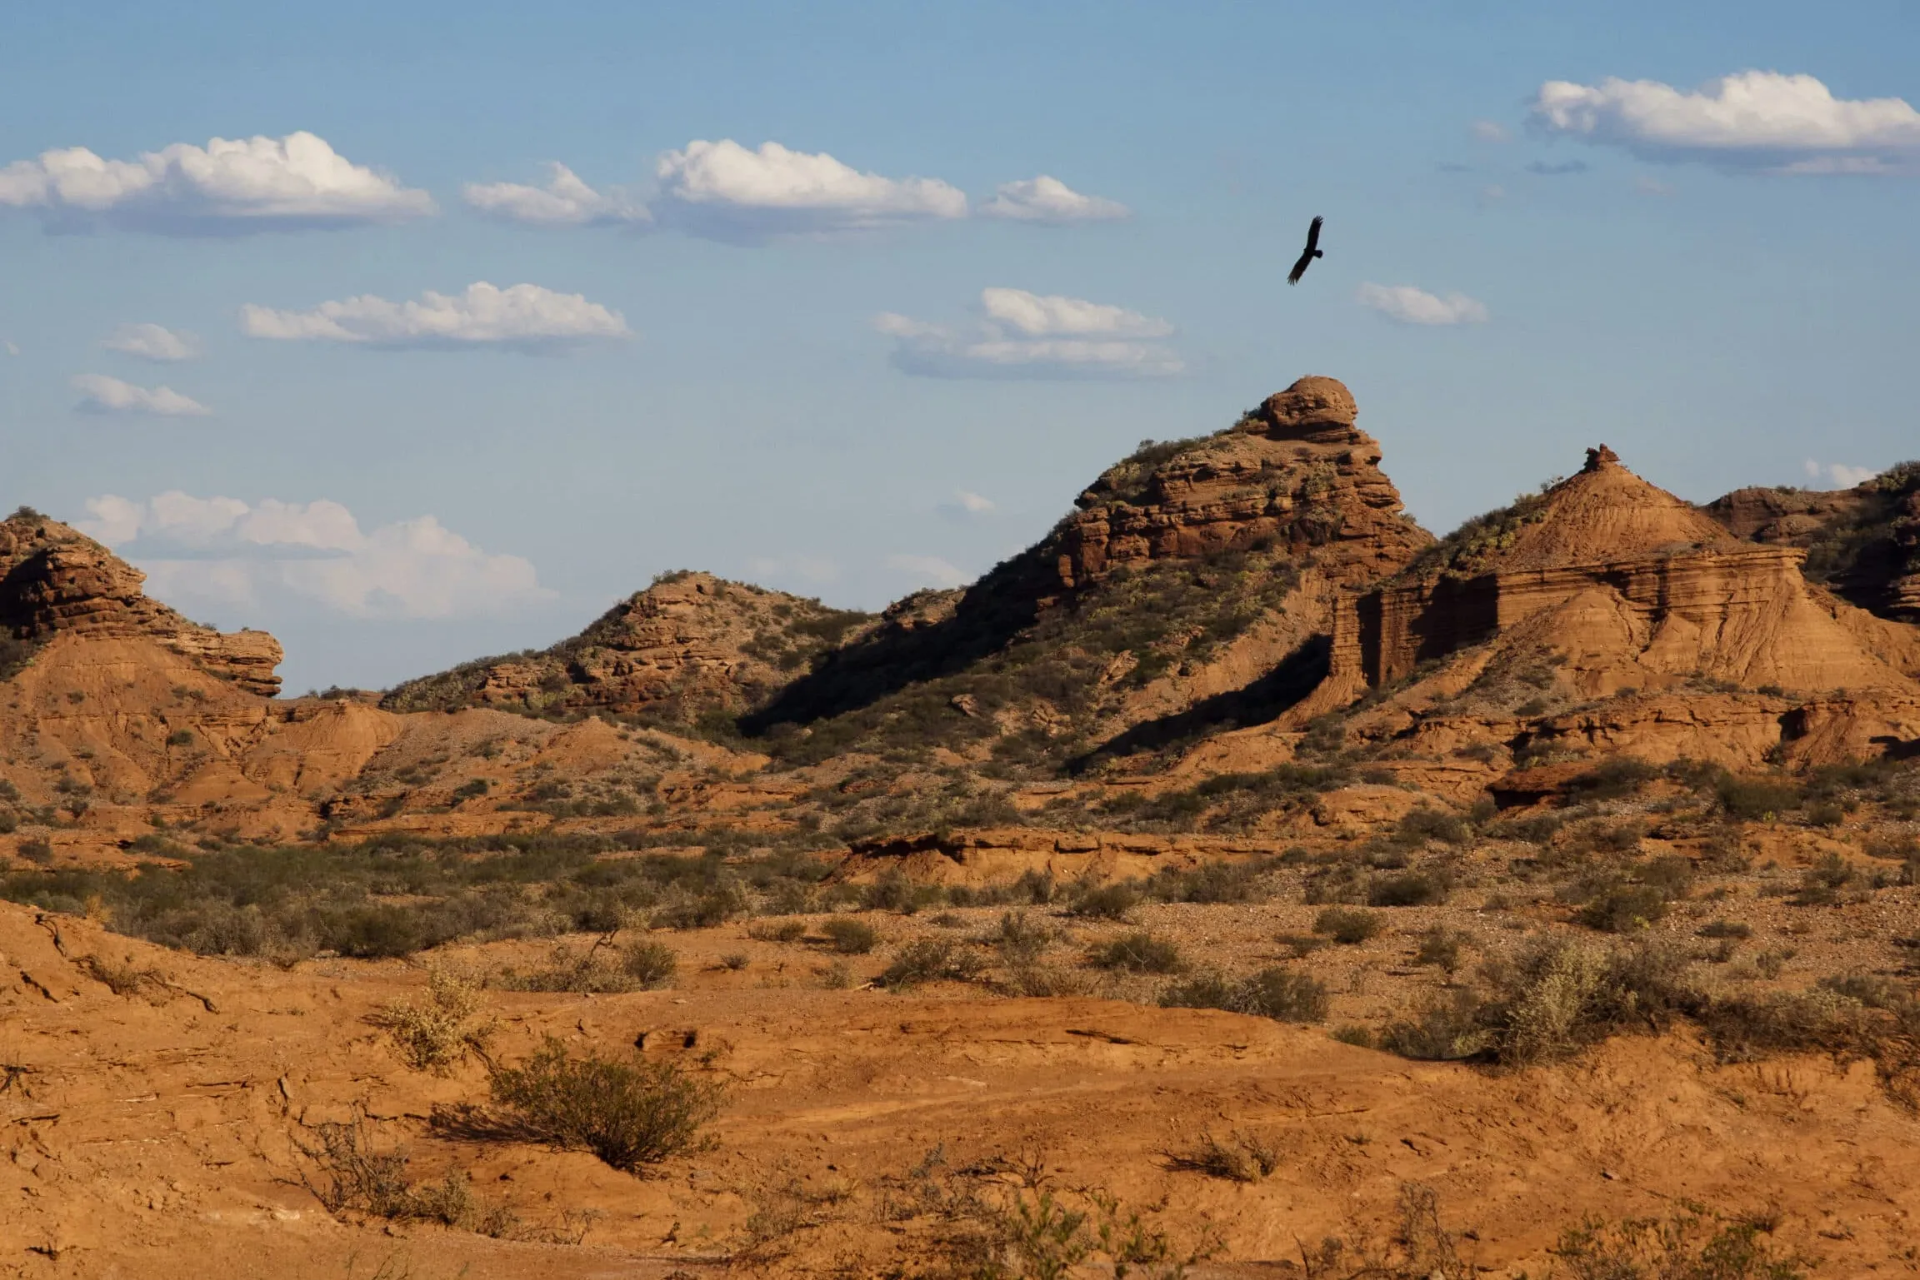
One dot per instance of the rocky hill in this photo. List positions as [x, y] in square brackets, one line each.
[54, 580]
[691, 646]
[1863, 542]
[1194, 589]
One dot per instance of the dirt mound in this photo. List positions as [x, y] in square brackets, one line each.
[54, 580]
[690, 645]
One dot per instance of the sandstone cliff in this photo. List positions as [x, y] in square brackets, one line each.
[54, 580]
[1295, 472]
[689, 645]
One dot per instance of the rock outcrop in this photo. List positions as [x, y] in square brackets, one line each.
[1295, 471]
[55, 580]
[688, 645]
[1863, 542]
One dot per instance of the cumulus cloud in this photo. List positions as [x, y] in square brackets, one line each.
[565, 201]
[729, 192]
[929, 571]
[1752, 120]
[1047, 199]
[1408, 305]
[1029, 335]
[227, 551]
[525, 316]
[101, 394]
[1842, 476]
[227, 187]
[1491, 131]
[153, 342]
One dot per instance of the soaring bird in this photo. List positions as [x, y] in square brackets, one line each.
[1312, 251]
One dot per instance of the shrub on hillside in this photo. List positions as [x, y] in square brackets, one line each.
[1136, 953]
[850, 937]
[630, 1113]
[1276, 992]
[1347, 926]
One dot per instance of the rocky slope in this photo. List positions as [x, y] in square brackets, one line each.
[690, 645]
[54, 580]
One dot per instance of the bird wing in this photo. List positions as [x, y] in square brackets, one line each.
[1300, 267]
[1313, 233]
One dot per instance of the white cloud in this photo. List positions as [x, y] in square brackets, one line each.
[226, 187]
[1028, 335]
[1754, 119]
[1039, 315]
[726, 191]
[101, 394]
[565, 201]
[9, 347]
[525, 317]
[1646, 186]
[930, 570]
[153, 342]
[1843, 476]
[1408, 305]
[231, 552]
[1047, 199]
[1492, 192]
[965, 506]
[1491, 131]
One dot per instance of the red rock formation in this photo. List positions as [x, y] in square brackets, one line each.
[1864, 542]
[1296, 471]
[55, 580]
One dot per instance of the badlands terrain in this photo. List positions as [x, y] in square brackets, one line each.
[1241, 881]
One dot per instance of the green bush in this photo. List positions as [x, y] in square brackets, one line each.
[1625, 909]
[1347, 926]
[1753, 799]
[1136, 953]
[1409, 889]
[850, 937]
[630, 1114]
[1104, 902]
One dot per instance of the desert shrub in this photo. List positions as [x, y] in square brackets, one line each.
[1689, 1246]
[1212, 882]
[630, 1113]
[37, 851]
[1421, 825]
[601, 970]
[785, 931]
[1625, 908]
[850, 937]
[931, 960]
[1752, 799]
[1241, 1157]
[1276, 992]
[1440, 947]
[1138, 952]
[1820, 884]
[1409, 889]
[355, 1176]
[1346, 926]
[436, 1033]
[1104, 902]
[1020, 940]
[1612, 779]
[1445, 1028]
[1745, 1028]
[651, 964]
[894, 891]
[1560, 997]
[703, 911]
[1726, 929]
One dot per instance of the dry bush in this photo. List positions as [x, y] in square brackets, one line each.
[1275, 992]
[602, 969]
[1104, 902]
[630, 1114]
[436, 1034]
[1242, 1157]
[357, 1177]
[1692, 1245]
[1347, 926]
[1136, 953]
[931, 960]
[123, 977]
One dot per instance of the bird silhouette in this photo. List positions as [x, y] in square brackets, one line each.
[1311, 252]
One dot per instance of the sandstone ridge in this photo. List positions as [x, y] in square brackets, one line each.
[55, 580]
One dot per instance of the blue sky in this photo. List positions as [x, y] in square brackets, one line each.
[1547, 227]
